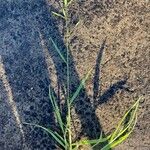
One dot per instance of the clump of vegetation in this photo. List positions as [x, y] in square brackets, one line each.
[64, 137]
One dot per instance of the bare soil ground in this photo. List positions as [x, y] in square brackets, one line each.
[113, 36]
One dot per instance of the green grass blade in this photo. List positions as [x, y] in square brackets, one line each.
[51, 99]
[91, 142]
[59, 118]
[124, 117]
[120, 134]
[124, 129]
[118, 140]
[75, 148]
[124, 137]
[57, 49]
[65, 3]
[130, 122]
[101, 137]
[56, 110]
[75, 27]
[80, 86]
[59, 139]
[58, 15]
[64, 13]
[70, 2]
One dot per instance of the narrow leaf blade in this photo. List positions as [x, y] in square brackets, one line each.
[56, 110]
[59, 139]
[57, 49]
[80, 86]
[65, 3]
[93, 142]
[123, 138]
[135, 106]
[72, 31]
[58, 15]
[117, 141]
[70, 2]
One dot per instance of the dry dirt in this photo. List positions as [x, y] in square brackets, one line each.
[113, 36]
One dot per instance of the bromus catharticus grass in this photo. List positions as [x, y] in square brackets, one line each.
[64, 136]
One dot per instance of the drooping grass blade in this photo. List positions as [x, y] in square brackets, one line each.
[55, 135]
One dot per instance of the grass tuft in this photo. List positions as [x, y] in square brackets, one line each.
[64, 137]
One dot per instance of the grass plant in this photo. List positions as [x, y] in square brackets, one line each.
[64, 137]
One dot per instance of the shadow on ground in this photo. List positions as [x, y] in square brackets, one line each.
[26, 28]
